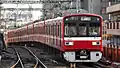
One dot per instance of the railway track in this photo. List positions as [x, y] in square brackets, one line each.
[99, 64]
[48, 58]
[37, 63]
[43, 60]
[19, 61]
[32, 57]
[58, 63]
[78, 65]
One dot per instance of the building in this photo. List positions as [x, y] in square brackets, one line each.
[113, 27]
[93, 6]
[104, 5]
[105, 36]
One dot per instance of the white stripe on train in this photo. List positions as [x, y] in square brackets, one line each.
[82, 38]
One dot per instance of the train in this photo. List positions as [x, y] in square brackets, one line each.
[78, 37]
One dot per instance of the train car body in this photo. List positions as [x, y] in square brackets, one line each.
[78, 37]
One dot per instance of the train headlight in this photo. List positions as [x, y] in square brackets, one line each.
[95, 43]
[69, 43]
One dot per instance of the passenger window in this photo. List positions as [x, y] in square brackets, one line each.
[58, 30]
[54, 30]
[49, 30]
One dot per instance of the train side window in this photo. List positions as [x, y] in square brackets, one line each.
[49, 29]
[52, 33]
[29, 31]
[35, 30]
[54, 30]
[60, 33]
[46, 30]
[42, 29]
[38, 29]
[58, 30]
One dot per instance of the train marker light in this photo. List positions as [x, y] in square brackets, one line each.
[95, 43]
[69, 43]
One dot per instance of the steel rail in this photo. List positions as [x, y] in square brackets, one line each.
[36, 63]
[19, 60]
[13, 66]
[43, 65]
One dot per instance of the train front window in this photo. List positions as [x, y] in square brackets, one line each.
[82, 26]
[70, 30]
[94, 29]
[82, 29]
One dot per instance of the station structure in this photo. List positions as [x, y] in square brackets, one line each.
[111, 32]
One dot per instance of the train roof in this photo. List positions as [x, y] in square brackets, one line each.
[58, 18]
[84, 14]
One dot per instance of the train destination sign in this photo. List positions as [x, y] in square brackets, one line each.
[82, 18]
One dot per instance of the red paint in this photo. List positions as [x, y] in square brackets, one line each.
[82, 45]
[44, 38]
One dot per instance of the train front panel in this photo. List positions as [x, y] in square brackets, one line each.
[82, 40]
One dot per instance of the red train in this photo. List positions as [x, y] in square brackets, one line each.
[78, 37]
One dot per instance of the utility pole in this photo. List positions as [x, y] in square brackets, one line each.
[109, 14]
[78, 5]
[0, 14]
